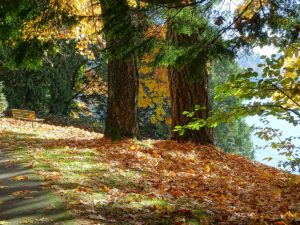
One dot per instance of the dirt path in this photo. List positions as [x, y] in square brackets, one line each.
[22, 199]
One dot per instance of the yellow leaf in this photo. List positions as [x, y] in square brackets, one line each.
[158, 207]
[207, 168]
[132, 147]
[171, 174]
[145, 69]
[106, 189]
[132, 3]
[170, 208]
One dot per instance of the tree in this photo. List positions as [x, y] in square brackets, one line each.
[24, 85]
[188, 57]
[49, 85]
[63, 67]
[154, 99]
[274, 91]
[121, 120]
[20, 59]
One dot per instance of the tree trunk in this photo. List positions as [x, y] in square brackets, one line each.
[119, 31]
[188, 88]
[121, 120]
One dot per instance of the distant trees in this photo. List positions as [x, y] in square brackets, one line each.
[49, 86]
[24, 84]
[63, 69]
[235, 136]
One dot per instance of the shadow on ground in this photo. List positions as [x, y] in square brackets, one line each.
[22, 198]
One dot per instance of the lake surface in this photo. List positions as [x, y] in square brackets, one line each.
[287, 130]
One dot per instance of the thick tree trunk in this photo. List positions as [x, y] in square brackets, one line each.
[188, 88]
[121, 120]
[185, 96]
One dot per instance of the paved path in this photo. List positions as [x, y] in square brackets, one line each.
[24, 201]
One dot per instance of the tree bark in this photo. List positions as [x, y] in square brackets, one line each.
[119, 32]
[121, 120]
[188, 88]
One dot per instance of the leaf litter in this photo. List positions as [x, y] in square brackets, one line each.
[153, 182]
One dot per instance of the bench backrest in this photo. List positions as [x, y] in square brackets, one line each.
[21, 113]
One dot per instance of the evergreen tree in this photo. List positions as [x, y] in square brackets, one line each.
[119, 31]
[63, 68]
[188, 57]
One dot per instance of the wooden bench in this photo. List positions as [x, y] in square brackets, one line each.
[22, 114]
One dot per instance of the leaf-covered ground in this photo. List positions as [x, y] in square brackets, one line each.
[162, 182]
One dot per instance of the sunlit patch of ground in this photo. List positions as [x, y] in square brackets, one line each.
[132, 182]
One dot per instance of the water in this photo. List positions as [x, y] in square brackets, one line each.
[287, 130]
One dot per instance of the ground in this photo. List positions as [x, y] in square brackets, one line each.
[139, 182]
[23, 200]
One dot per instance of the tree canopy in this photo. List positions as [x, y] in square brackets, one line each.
[160, 56]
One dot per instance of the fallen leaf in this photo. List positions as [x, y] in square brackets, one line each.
[97, 217]
[19, 178]
[51, 207]
[207, 168]
[106, 189]
[20, 193]
[132, 147]
[43, 220]
[27, 221]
